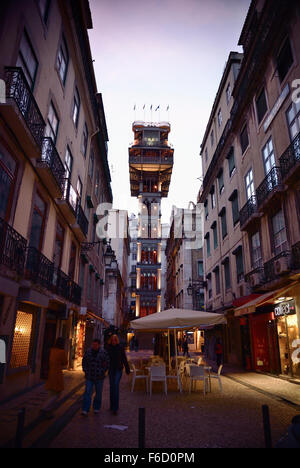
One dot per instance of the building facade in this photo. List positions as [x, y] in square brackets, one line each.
[53, 145]
[261, 145]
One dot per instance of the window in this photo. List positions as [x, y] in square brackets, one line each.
[279, 233]
[209, 286]
[239, 264]
[8, 169]
[97, 184]
[228, 93]
[268, 156]
[220, 177]
[231, 162]
[293, 118]
[207, 244]
[38, 222]
[84, 142]
[213, 197]
[72, 261]
[68, 163]
[79, 188]
[235, 207]
[212, 138]
[81, 273]
[249, 184]
[222, 215]
[27, 60]
[217, 280]
[62, 60]
[284, 60]
[206, 209]
[52, 123]
[255, 250]
[261, 106]
[59, 244]
[244, 139]
[206, 155]
[215, 234]
[76, 107]
[44, 9]
[92, 163]
[220, 118]
[200, 268]
[20, 352]
[227, 273]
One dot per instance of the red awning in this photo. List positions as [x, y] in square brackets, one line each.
[244, 299]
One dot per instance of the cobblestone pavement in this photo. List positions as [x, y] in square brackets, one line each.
[229, 419]
[32, 401]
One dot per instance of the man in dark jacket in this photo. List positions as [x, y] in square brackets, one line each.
[95, 363]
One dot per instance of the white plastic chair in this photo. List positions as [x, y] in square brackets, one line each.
[176, 376]
[136, 376]
[158, 374]
[198, 373]
[218, 376]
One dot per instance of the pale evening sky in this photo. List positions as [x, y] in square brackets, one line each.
[161, 52]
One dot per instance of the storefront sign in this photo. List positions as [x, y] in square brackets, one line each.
[285, 308]
[276, 107]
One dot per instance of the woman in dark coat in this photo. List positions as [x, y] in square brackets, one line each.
[118, 361]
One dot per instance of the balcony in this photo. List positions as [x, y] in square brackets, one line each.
[248, 213]
[158, 160]
[51, 169]
[39, 269]
[290, 162]
[81, 225]
[22, 112]
[12, 248]
[270, 187]
[65, 287]
[69, 201]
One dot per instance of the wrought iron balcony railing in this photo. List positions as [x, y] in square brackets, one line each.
[39, 269]
[12, 248]
[249, 209]
[65, 287]
[18, 89]
[81, 219]
[291, 157]
[271, 182]
[51, 160]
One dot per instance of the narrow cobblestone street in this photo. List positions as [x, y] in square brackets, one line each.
[229, 419]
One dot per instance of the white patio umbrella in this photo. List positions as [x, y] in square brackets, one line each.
[177, 319]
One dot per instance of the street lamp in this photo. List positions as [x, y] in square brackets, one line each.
[190, 289]
[108, 256]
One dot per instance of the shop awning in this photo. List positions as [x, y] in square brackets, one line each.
[250, 306]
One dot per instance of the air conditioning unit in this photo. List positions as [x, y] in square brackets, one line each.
[255, 279]
[281, 265]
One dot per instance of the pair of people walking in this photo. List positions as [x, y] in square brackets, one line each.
[96, 362]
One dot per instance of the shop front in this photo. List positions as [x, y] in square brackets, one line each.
[272, 324]
[288, 337]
